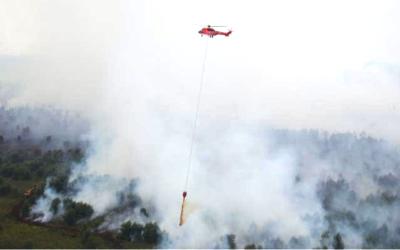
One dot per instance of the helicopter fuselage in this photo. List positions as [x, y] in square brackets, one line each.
[212, 32]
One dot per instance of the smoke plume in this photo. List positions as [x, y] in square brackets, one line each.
[297, 135]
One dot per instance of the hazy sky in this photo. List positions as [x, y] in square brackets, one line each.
[297, 64]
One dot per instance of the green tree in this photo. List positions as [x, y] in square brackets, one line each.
[75, 211]
[324, 241]
[5, 188]
[131, 232]
[144, 212]
[55, 205]
[21, 174]
[75, 154]
[137, 232]
[59, 183]
[338, 242]
[125, 231]
[250, 246]
[231, 241]
[7, 172]
[87, 239]
[151, 233]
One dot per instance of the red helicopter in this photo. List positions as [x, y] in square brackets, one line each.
[209, 31]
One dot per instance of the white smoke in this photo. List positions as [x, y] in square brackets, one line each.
[41, 210]
[133, 68]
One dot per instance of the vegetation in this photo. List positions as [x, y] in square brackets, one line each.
[76, 211]
[250, 246]
[5, 188]
[338, 242]
[131, 232]
[54, 207]
[231, 241]
[149, 233]
[27, 162]
[59, 183]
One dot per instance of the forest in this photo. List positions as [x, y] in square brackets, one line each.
[39, 149]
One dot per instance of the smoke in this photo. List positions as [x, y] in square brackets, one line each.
[43, 204]
[132, 69]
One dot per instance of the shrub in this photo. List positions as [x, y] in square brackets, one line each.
[21, 174]
[25, 209]
[7, 172]
[27, 245]
[5, 188]
[87, 239]
[16, 173]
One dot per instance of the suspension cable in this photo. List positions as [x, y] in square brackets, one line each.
[196, 118]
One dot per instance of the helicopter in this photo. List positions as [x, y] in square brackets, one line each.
[211, 32]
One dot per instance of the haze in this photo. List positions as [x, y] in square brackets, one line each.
[133, 69]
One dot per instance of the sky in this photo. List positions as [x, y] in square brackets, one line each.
[309, 64]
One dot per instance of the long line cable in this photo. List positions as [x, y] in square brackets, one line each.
[196, 118]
